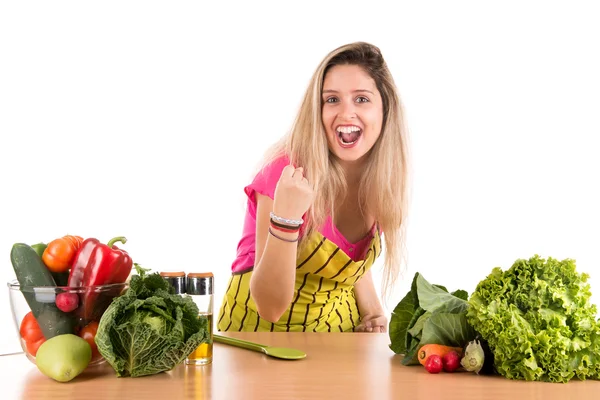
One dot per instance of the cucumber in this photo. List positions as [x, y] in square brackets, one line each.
[31, 271]
[29, 267]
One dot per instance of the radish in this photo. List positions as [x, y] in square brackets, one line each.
[67, 302]
[434, 364]
[451, 361]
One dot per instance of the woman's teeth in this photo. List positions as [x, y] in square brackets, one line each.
[348, 129]
[349, 135]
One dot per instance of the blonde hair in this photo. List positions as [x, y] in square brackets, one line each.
[383, 190]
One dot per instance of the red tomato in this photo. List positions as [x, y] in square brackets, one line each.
[88, 333]
[61, 252]
[31, 333]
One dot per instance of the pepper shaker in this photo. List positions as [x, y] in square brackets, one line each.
[176, 280]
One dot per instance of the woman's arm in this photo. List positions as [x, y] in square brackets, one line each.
[371, 312]
[272, 282]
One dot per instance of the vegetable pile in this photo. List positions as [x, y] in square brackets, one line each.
[81, 311]
[531, 322]
[150, 329]
[428, 314]
[67, 284]
[68, 266]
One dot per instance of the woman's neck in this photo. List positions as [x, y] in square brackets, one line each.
[353, 172]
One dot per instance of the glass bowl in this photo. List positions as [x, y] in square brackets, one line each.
[37, 316]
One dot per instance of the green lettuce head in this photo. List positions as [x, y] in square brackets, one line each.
[149, 329]
[538, 321]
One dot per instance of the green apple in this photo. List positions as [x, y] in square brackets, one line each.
[63, 357]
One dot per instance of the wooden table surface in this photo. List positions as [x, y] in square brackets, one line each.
[337, 366]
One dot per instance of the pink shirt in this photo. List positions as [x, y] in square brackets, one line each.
[264, 183]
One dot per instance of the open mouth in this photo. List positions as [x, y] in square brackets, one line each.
[348, 135]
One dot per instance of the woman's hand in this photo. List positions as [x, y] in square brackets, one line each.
[293, 195]
[372, 323]
[373, 319]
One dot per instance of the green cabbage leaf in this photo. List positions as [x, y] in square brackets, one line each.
[429, 314]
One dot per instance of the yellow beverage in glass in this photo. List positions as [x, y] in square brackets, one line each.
[203, 353]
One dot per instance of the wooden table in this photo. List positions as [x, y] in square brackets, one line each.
[337, 366]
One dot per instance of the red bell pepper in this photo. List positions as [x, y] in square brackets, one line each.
[98, 264]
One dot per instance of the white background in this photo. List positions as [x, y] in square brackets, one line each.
[146, 119]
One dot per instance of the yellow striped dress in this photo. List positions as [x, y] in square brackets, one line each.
[323, 301]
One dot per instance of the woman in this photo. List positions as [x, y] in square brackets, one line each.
[319, 205]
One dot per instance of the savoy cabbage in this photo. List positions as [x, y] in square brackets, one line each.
[149, 329]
